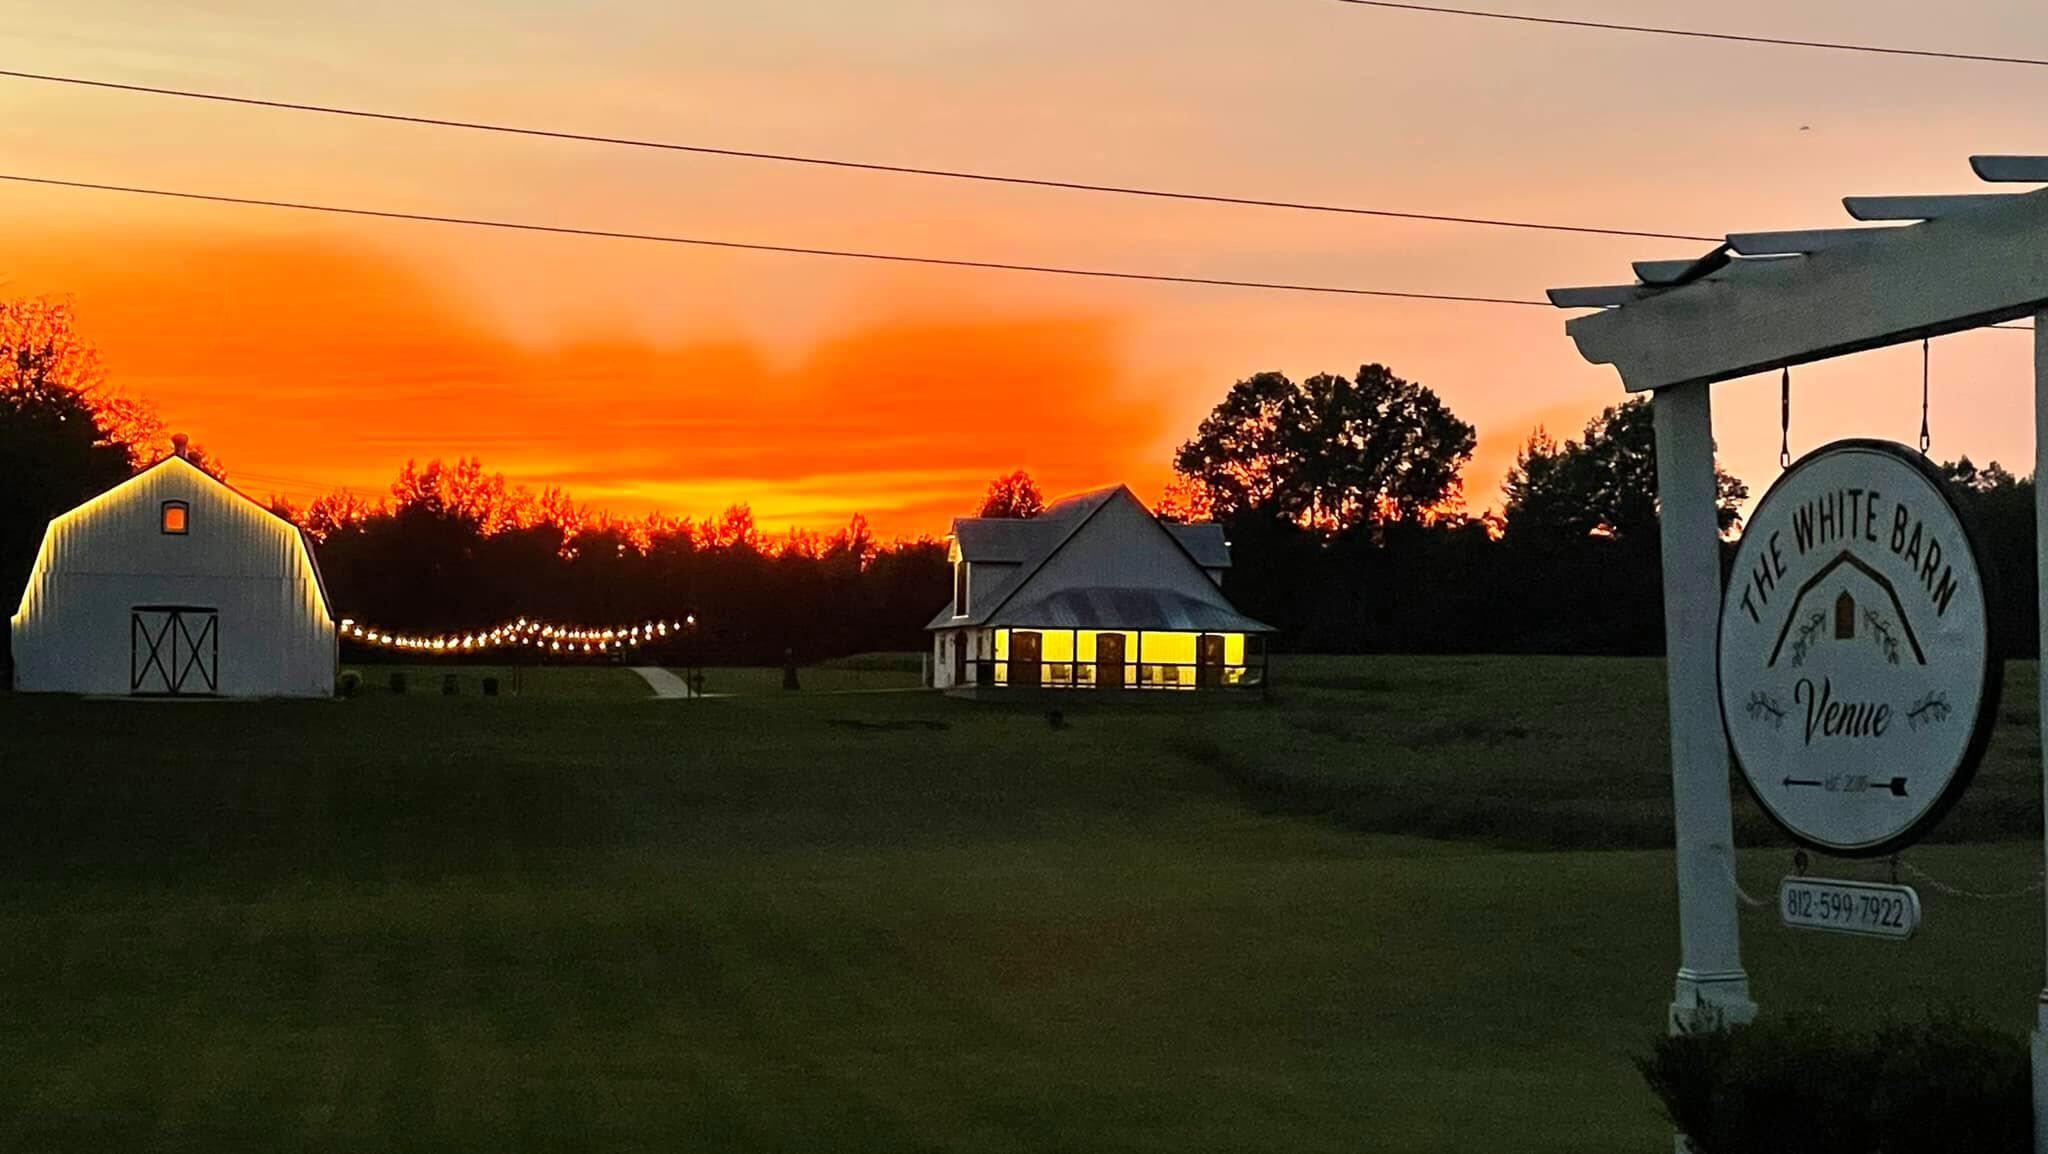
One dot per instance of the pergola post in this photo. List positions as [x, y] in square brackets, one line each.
[1712, 989]
[2041, 574]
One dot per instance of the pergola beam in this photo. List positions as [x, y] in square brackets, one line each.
[1598, 296]
[1801, 241]
[1919, 207]
[1891, 286]
[2011, 169]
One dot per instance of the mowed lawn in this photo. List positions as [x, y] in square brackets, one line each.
[581, 919]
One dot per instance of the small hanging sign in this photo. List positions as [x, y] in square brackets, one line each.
[1864, 908]
[1858, 680]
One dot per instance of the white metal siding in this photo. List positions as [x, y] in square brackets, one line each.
[109, 555]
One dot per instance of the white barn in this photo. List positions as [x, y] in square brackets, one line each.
[1095, 593]
[174, 584]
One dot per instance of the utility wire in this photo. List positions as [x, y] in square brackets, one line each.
[1695, 34]
[753, 246]
[796, 250]
[835, 162]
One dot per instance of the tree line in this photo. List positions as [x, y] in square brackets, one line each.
[453, 547]
[1343, 498]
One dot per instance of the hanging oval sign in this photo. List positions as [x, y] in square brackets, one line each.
[1858, 680]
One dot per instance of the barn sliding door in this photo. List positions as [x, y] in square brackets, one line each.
[173, 650]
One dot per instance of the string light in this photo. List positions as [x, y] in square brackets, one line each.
[524, 631]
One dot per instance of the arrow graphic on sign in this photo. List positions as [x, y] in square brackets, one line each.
[1802, 781]
[1897, 786]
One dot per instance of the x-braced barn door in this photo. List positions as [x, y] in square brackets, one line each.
[173, 649]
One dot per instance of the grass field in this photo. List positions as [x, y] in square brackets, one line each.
[880, 671]
[581, 919]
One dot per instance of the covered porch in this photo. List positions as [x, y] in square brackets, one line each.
[1118, 638]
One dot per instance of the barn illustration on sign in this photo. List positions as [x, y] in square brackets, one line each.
[1854, 629]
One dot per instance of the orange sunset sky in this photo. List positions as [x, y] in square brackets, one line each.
[309, 352]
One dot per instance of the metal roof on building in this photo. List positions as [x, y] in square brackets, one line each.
[1003, 540]
[1023, 547]
[1204, 542]
[1105, 607]
[1016, 541]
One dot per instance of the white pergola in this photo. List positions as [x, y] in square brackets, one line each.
[1764, 301]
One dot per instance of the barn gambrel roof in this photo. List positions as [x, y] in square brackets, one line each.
[174, 461]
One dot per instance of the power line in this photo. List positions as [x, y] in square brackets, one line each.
[754, 246]
[1695, 34]
[795, 250]
[835, 162]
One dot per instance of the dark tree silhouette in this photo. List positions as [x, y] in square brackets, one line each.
[1604, 484]
[1330, 453]
[64, 436]
[1014, 496]
[455, 547]
[2001, 508]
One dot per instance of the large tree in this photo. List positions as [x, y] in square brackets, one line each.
[1602, 485]
[64, 435]
[2000, 507]
[1329, 453]
[1015, 496]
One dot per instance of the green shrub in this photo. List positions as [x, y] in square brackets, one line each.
[349, 683]
[1953, 1085]
[1798, 1085]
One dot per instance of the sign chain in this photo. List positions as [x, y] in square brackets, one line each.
[2040, 879]
[1743, 895]
[1926, 440]
[1785, 420]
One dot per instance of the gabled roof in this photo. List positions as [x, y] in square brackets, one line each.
[1017, 540]
[1030, 541]
[1204, 542]
[1035, 541]
[1001, 540]
[305, 542]
[1105, 607]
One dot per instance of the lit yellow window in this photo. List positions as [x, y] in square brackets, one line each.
[174, 519]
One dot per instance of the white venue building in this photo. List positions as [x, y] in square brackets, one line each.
[174, 584]
[1095, 593]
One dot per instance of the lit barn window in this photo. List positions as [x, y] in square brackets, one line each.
[176, 518]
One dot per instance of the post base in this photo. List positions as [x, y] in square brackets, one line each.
[1710, 1002]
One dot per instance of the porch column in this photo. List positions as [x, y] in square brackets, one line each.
[1712, 989]
[2041, 595]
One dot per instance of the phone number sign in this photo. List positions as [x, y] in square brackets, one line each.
[1876, 911]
